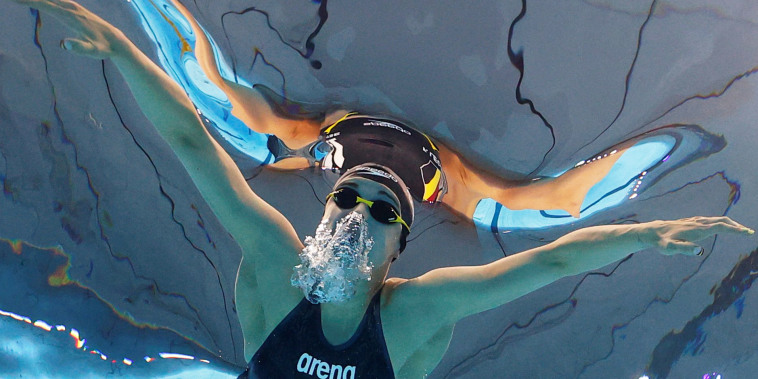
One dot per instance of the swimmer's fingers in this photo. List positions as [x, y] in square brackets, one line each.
[96, 37]
[728, 221]
[696, 228]
[679, 236]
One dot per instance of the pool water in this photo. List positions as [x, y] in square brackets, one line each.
[112, 264]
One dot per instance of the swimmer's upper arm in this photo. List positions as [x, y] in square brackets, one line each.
[269, 243]
[446, 295]
[261, 231]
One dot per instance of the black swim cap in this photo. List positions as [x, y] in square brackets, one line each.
[385, 176]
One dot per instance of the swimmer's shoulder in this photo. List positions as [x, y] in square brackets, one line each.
[415, 338]
[416, 299]
[404, 297]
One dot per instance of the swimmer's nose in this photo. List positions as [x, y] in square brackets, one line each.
[363, 209]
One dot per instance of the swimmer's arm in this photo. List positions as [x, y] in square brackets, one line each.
[456, 292]
[256, 226]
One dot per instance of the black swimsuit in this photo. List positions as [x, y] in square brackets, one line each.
[297, 348]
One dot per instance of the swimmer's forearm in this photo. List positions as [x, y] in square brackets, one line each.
[577, 252]
[591, 248]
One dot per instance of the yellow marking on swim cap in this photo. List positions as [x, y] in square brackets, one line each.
[430, 142]
[329, 129]
[186, 48]
[430, 187]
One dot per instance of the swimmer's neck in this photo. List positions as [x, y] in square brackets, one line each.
[339, 321]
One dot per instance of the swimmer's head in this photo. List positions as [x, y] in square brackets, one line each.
[398, 195]
[366, 220]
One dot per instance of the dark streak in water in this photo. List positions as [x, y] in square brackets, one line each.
[259, 54]
[420, 233]
[500, 243]
[313, 189]
[279, 103]
[629, 73]
[712, 95]
[201, 224]
[656, 300]
[66, 140]
[6, 188]
[734, 196]
[309, 45]
[66, 223]
[499, 344]
[734, 186]
[691, 338]
[176, 221]
[495, 349]
[322, 16]
[517, 59]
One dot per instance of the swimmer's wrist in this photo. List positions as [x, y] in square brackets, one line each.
[121, 46]
[642, 234]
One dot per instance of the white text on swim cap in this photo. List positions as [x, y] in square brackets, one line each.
[377, 172]
[386, 125]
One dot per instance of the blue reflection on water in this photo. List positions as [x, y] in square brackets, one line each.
[175, 40]
[620, 184]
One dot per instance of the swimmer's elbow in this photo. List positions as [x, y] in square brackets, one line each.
[185, 141]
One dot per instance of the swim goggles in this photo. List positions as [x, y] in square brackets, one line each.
[382, 211]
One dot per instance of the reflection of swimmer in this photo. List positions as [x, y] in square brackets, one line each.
[356, 139]
[463, 185]
[363, 324]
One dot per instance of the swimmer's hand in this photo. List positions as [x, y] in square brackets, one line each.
[95, 37]
[680, 236]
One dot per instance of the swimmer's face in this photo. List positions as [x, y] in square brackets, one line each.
[386, 236]
[350, 248]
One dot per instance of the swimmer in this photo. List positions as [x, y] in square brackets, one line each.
[299, 137]
[326, 308]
